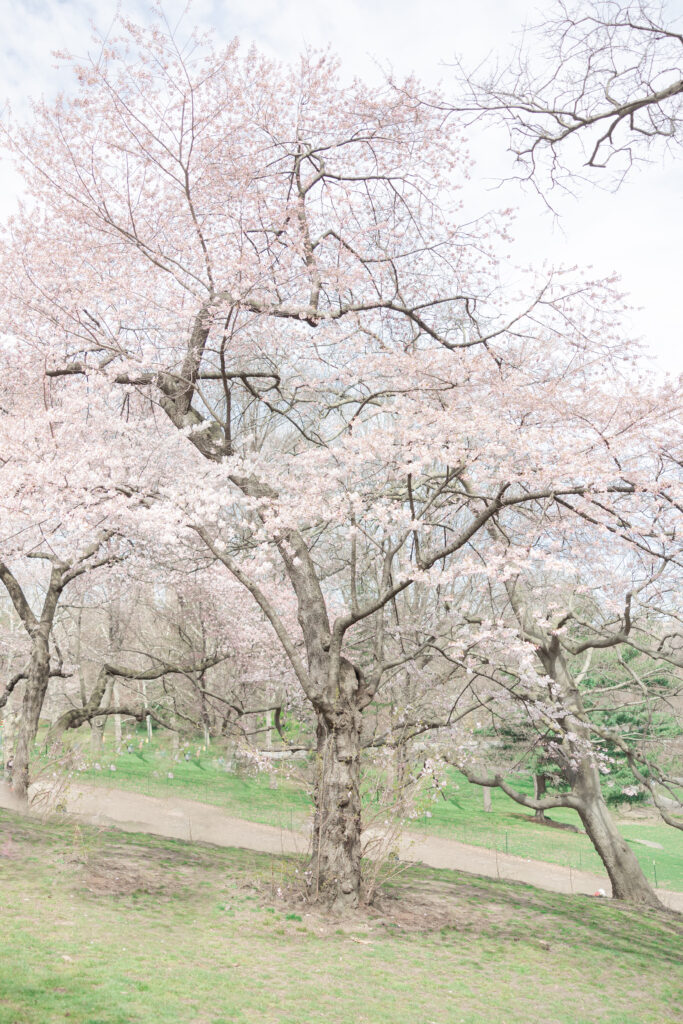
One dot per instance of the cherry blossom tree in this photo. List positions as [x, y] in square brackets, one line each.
[193, 639]
[38, 625]
[304, 364]
[550, 625]
[48, 519]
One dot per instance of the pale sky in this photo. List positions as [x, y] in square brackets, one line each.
[635, 232]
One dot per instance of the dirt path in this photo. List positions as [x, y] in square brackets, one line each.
[186, 819]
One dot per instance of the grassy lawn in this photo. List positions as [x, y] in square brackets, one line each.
[506, 827]
[100, 927]
[459, 815]
[152, 769]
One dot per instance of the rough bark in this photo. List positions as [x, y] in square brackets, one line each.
[336, 860]
[625, 873]
[8, 735]
[117, 718]
[32, 704]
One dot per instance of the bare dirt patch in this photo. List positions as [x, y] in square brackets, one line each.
[435, 907]
[423, 907]
[203, 823]
[546, 822]
[119, 877]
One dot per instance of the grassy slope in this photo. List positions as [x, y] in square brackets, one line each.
[106, 928]
[459, 816]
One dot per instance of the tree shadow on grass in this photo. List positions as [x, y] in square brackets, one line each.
[530, 913]
[420, 899]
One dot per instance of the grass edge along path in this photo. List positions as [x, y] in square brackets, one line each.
[101, 927]
[195, 821]
[458, 814]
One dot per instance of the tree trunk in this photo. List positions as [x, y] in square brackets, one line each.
[625, 873]
[272, 777]
[98, 725]
[117, 718]
[32, 705]
[96, 736]
[148, 720]
[9, 719]
[401, 762]
[336, 861]
[539, 793]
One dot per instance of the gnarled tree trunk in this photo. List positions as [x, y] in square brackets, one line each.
[336, 861]
[117, 718]
[39, 628]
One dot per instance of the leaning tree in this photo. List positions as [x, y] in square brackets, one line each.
[561, 721]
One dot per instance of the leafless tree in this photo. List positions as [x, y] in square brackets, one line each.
[598, 86]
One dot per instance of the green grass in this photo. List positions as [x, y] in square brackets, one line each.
[243, 796]
[100, 927]
[458, 815]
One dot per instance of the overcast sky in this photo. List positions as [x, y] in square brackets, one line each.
[635, 232]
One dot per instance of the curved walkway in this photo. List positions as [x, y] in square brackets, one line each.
[197, 822]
